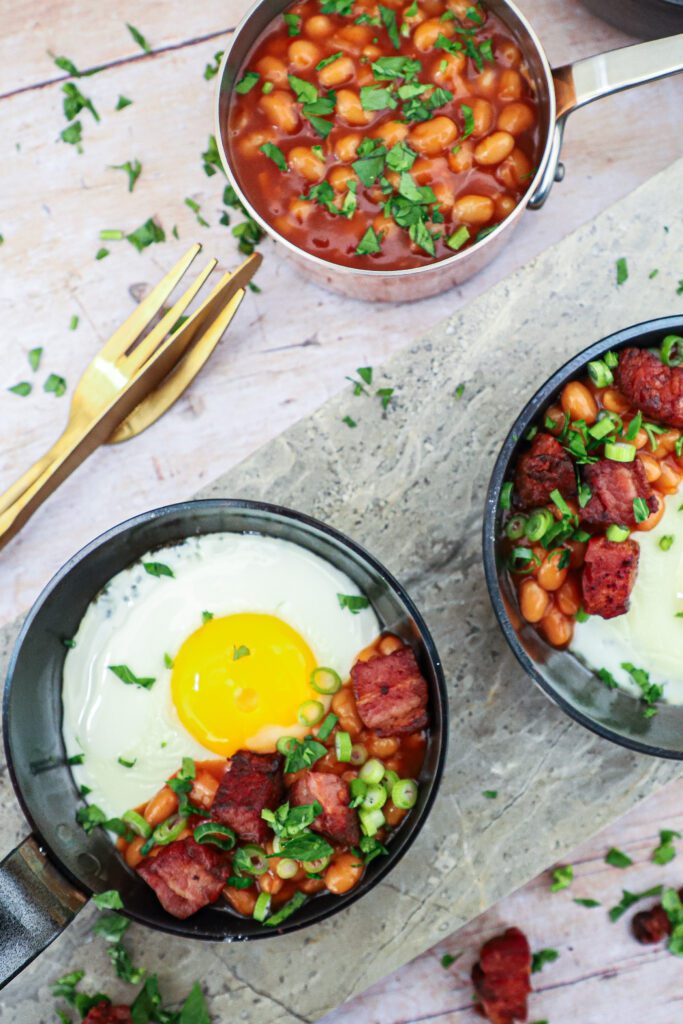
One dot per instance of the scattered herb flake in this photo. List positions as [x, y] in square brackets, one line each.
[126, 675]
[158, 569]
[122, 103]
[588, 903]
[629, 898]
[617, 858]
[349, 422]
[247, 82]
[622, 270]
[353, 603]
[490, 794]
[666, 851]
[55, 385]
[101, 254]
[562, 878]
[133, 168]
[147, 234]
[275, 154]
[211, 69]
[139, 38]
[240, 652]
[541, 958]
[23, 388]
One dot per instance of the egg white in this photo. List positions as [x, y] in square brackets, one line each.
[138, 618]
[650, 634]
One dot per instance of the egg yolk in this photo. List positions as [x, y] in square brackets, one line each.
[237, 675]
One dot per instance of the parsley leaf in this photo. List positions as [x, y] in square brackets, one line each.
[375, 97]
[629, 898]
[666, 851]
[158, 569]
[139, 38]
[617, 858]
[211, 69]
[369, 243]
[122, 103]
[562, 878]
[389, 21]
[109, 900]
[275, 154]
[353, 602]
[541, 958]
[55, 385]
[132, 168]
[147, 234]
[240, 652]
[23, 388]
[126, 675]
[75, 101]
[622, 270]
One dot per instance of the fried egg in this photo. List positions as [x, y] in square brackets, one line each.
[198, 650]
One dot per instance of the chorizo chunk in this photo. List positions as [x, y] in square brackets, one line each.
[391, 693]
[544, 468]
[105, 1013]
[501, 977]
[251, 783]
[338, 822]
[186, 876]
[650, 926]
[609, 573]
[614, 487]
[651, 386]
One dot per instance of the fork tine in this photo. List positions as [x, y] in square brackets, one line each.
[136, 358]
[132, 328]
[181, 376]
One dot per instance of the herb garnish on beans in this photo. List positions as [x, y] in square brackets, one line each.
[384, 136]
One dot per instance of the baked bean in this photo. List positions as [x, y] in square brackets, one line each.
[382, 746]
[345, 872]
[280, 107]
[494, 148]
[654, 517]
[273, 70]
[473, 209]
[391, 132]
[448, 68]
[242, 900]
[270, 883]
[669, 480]
[339, 71]
[251, 144]
[161, 807]
[508, 52]
[550, 575]
[614, 401]
[557, 627]
[304, 161]
[301, 210]
[578, 402]
[303, 54]
[666, 443]
[349, 108]
[340, 177]
[386, 227]
[389, 644]
[487, 83]
[516, 118]
[515, 169]
[345, 147]
[652, 467]
[534, 601]
[132, 856]
[318, 26]
[427, 33]
[426, 170]
[558, 417]
[482, 117]
[445, 197]
[204, 787]
[510, 84]
[504, 206]
[393, 814]
[344, 707]
[371, 52]
[352, 38]
[311, 885]
[432, 137]
[461, 157]
[640, 440]
[568, 596]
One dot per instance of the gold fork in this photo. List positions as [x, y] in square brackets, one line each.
[116, 386]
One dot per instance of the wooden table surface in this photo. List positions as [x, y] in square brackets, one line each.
[291, 345]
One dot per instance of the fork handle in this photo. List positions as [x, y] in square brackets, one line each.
[33, 473]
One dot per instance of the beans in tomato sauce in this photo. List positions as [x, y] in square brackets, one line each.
[384, 136]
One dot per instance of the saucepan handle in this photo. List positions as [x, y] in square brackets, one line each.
[602, 75]
[36, 904]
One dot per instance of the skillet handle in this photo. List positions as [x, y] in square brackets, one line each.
[36, 904]
[592, 78]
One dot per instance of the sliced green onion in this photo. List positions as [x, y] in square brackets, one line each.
[297, 900]
[372, 771]
[343, 746]
[287, 868]
[216, 834]
[602, 428]
[558, 500]
[537, 523]
[522, 561]
[611, 359]
[506, 496]
[262, 907]
[169, 831]
[137, 824]
[404, 794]
[371, 821]
[146, 847]
[672, 350]
[358, 788]
[375, 797]
[390, 779]
[286, 744]
[258, 863]
[359, 754]
[665, 543]
[325, 680]
[277, 844]
[619, 452]
[310, 712]
[314, 867]
[327, 726]
[515, 527]
[617, 533]
[600, 373]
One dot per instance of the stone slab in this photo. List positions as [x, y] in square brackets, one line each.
[410, 485]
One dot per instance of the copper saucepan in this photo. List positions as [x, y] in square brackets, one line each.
[559, 92]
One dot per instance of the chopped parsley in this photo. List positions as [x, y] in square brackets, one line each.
[376, 97]
[126, 763]
[23, 388]
[193, 205]
[75, 101]
[353, 603]
[490, 794]
[240, 652]
[447, 960]
[122, 103]
[385, 394]
[629, 898]
[158, 569]
[211, 69]
[75, 759]
[73, 135]
[562, 878]
[617, 858]
[147, 234]
[293, 23]
[650, 692]
[101, 253]
[671, 902]
[666, 851]
[133, 168]
[304, 754]
[55, 385]
[206, 617]
[388, 19]
[126, 675]
[666, 541]
[541, 958]
[622, 270]
[588, 903]
[369, 243]
[247, 82]
[139, 38]
[275, 154]
[349, 422]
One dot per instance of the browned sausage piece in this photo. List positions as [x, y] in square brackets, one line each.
[391, 693]
[105, 1013]
[544, 468]
[609, 573]
[501, 977]
[651, 386]
[614, 487]
[338, 822]
[251, 783]
[186, 876]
